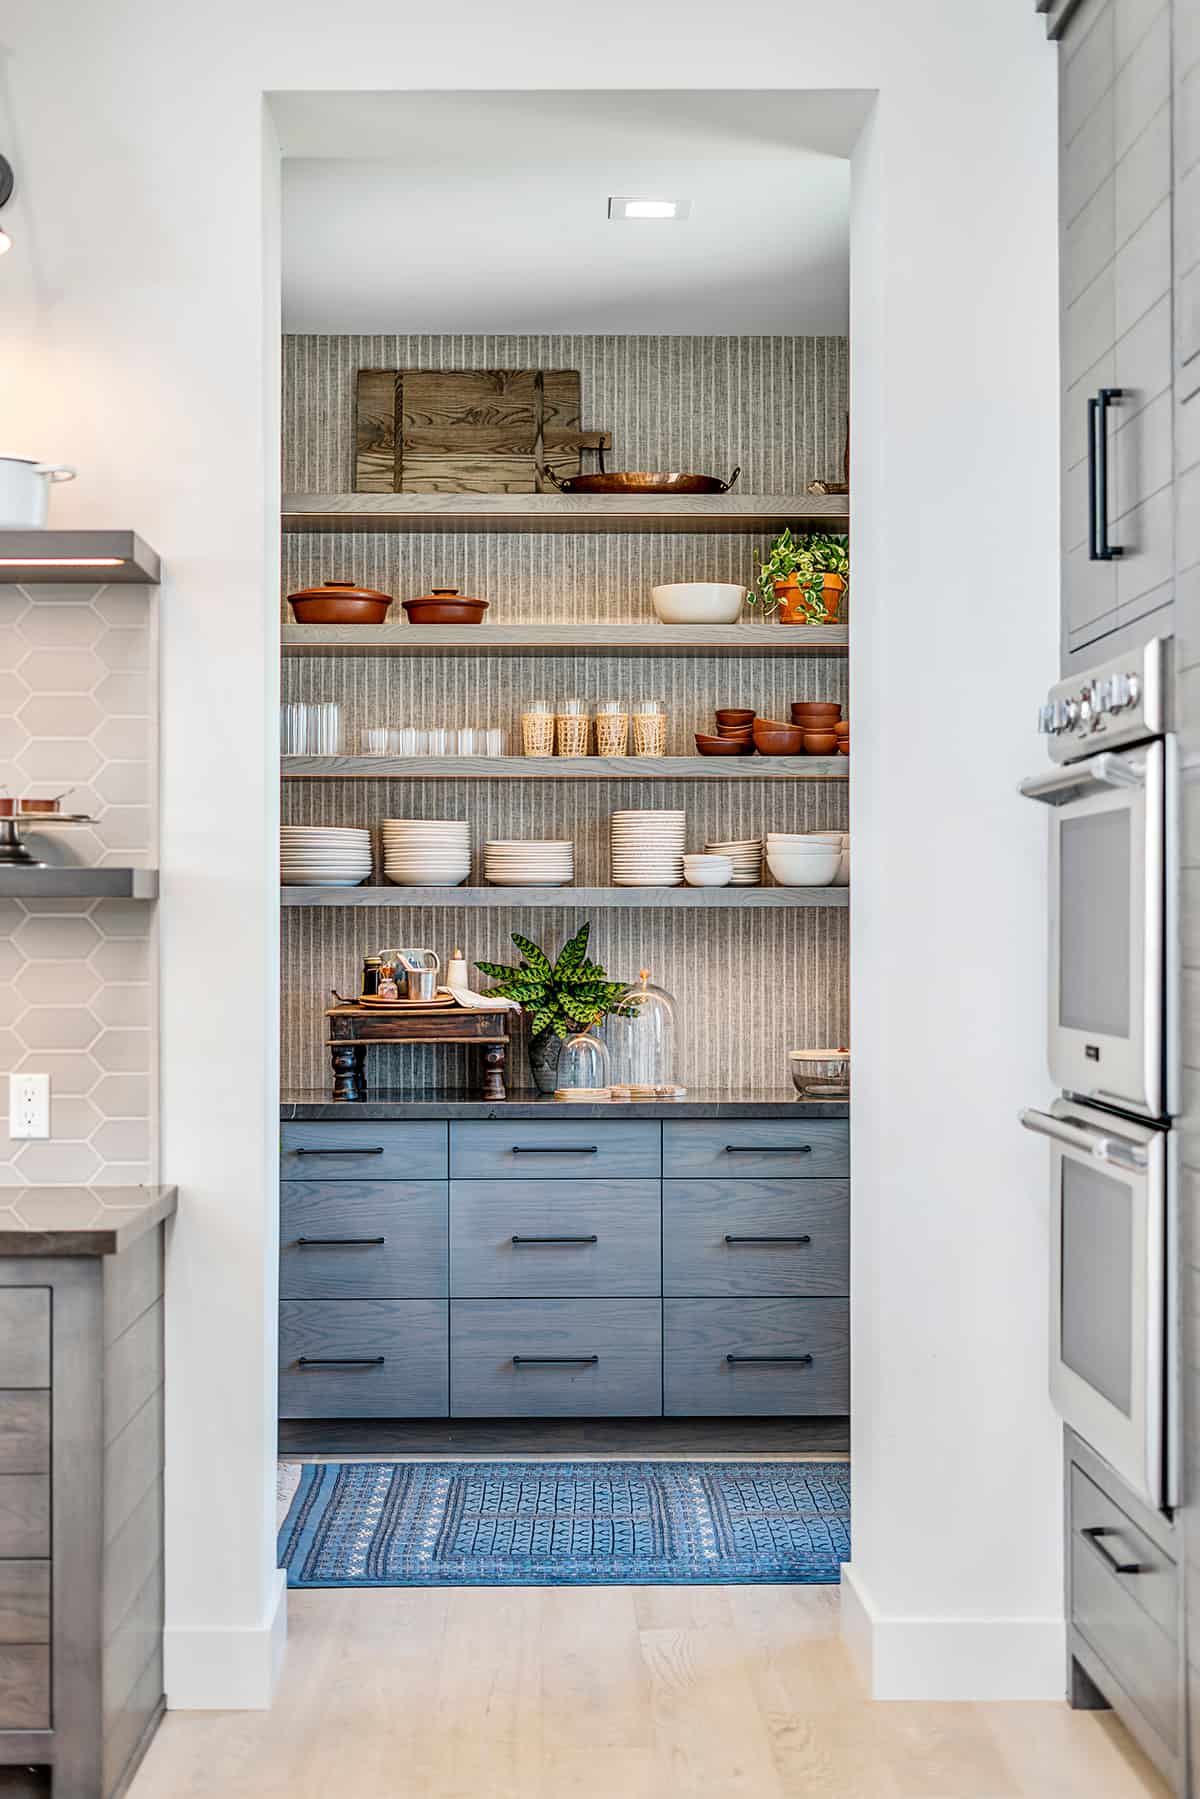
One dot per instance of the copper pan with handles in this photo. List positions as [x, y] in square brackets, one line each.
[642, 481]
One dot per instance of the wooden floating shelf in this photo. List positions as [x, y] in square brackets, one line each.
[29, 557]
[641, 639]
[658, 898]
[562, 512]
[565, 768]
[79, 883]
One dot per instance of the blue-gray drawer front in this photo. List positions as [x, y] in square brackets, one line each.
[756, 1237]
[554, 1221]
[364, 1358]
[363, 1240]
[573, 1149]
[699, 1336]
[363, 1152]
[774, 1149]
[624, 1335]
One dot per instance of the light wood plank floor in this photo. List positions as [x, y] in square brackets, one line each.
[613, 1693]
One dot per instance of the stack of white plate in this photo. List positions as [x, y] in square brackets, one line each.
[426, 852]
[511, 863]
[647, 848]
[323, 856]
[746, 856]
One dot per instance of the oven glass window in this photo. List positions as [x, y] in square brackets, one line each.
[1094, 923]
[1097, 1280]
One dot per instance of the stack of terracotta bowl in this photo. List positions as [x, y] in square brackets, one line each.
[818, 721]
[772, 737]
[735, 733]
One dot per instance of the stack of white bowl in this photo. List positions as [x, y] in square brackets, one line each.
[708, 871]
[800, 859]
[426, 852]
[323, 856]
[746, 856]
[647, 848]
[512, 863]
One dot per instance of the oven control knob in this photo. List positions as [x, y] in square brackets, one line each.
[1047, 720]
[1068, 714]
[1086, 708]
[1133, 689]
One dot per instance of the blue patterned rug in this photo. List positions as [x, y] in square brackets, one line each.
[566, 1524]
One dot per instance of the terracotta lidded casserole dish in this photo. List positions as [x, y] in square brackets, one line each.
[339, 603]
[445, 606]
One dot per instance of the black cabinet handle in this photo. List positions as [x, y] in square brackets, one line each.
[1094, 1534]
[768, 1239]
[769, 1358]
[592, 1239]
[342, 1361]
[323, 1242]
[768, 1149]
[1099, 548]
[339, 1152]
[586, 1361]
[555, 1149]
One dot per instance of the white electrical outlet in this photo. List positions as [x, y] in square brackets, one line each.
[29, 1105]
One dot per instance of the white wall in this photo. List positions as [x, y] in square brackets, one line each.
[138, 135]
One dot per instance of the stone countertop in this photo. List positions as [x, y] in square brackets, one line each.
[314, 1105]
[79, 1221]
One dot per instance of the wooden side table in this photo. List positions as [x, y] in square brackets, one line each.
[352, 1029]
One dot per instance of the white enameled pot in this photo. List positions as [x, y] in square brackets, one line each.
[25, 491]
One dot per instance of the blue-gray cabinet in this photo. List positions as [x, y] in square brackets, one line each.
[623, 1267]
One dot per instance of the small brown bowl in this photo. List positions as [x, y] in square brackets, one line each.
[735, 730]
[719, 746]
[735, 715]
[842, 727]
[771, 738]
[814, 712]
[843, 748]
[819, 743]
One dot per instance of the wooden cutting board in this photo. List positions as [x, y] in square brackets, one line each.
[468, 430]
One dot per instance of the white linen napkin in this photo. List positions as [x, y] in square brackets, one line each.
[475, 1002]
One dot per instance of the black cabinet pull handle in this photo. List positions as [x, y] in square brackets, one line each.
[587, 1361]
[1095, 1534]
[1099, 548]
[592, 1239]
[342, 1361]
[768, 1239]
[556, 1149]
[768, 1149]
[769, 1358]
[339, 1152]
[323, 1242]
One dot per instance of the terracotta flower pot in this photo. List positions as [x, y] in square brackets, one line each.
[795, 601]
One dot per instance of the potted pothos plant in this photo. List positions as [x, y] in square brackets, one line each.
[557, 997]
[805, 577]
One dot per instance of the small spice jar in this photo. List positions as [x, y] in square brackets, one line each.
[370, 977]
[537, 728]
[612, 729]
[571, 728]
[649, 728]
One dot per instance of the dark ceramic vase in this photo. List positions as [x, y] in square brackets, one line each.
[544, 1050]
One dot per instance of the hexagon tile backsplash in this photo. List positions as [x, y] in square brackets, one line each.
[78, 997]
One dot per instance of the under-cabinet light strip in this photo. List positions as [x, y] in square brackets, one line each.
[63, 561]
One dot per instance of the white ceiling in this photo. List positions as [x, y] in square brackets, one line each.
[487, 212]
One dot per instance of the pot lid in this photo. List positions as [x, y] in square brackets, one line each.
[339, 590]
[445, 593]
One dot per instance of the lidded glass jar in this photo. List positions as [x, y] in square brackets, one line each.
[645, 1029]
[584, 1065]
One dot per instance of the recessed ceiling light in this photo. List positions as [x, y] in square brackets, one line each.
[626, 206]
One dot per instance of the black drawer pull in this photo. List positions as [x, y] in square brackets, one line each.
[586, 1361]
[768, 1239]
[323, 1242]
[556, 1149]
[806, 1359]
[592, 1239]
[1094, 1534]
[342, 1361]
[768, 1149]
[339, 1152]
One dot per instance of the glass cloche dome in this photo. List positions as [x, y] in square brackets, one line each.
[584, 1065]
[644, 1033]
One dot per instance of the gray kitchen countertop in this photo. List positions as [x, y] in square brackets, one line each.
[79, 1221]
[314, 1105]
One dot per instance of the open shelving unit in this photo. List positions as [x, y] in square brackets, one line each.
[648, 639]
[565, 768]
[659, 898]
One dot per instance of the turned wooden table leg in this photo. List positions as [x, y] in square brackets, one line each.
[493, 1071]
[349, 1071]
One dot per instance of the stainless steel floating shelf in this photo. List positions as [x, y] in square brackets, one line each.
[562, 512]
[79, 883]
[518, 639]
[565, 768]
[657, 898]
[29, 557]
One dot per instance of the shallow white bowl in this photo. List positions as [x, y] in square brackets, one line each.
[804, 870]
[698, 602]
[708, 877]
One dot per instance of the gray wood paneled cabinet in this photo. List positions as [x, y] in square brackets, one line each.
[565, 1268]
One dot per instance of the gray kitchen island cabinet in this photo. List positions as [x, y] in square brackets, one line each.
[618, 1264]
[81, 1456]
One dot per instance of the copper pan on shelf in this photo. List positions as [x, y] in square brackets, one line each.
[642, 481]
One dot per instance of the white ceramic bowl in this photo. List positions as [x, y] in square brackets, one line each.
[804, 870]
[708, 877]
[699, 602]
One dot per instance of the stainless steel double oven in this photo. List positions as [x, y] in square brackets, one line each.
[1112, 1029]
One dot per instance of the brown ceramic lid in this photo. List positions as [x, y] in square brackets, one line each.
[446, 593]
[339, 590]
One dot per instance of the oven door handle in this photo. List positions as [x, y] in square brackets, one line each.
[1118, 1152]
[1098, 774]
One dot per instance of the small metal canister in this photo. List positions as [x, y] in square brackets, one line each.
[370, 977]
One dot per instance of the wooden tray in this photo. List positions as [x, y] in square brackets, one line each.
[406, 1005]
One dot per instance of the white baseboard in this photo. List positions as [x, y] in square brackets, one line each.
[228, 1670]
[951, 1658]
